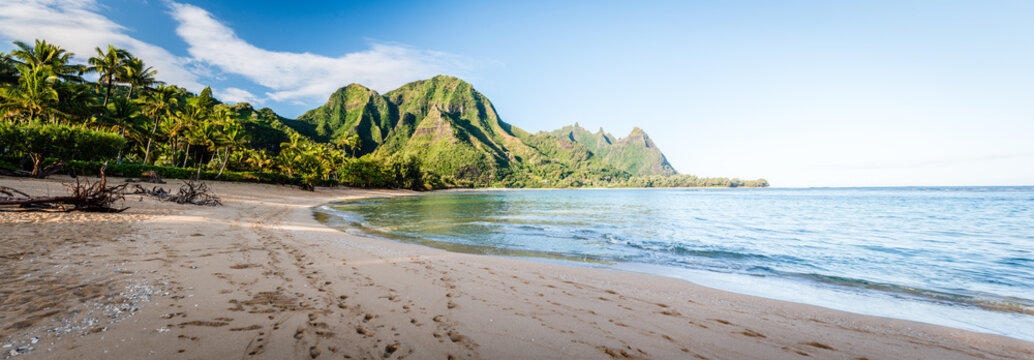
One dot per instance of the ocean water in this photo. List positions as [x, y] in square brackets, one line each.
[960, 257]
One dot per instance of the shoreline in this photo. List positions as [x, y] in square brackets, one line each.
[888, 187]
[261, 278]
[851, 300]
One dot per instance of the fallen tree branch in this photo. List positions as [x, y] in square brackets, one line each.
[53, 169]
[195, 192]
[192, 192]
[85, 196]
[10, 192]
[158, 192]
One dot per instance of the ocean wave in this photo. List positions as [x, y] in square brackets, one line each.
[983, 301]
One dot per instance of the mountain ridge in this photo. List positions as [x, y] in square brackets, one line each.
[635, 153]
[456, 132]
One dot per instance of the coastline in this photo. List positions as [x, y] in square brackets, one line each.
[261, 278]
[604, 188]
[743, 267]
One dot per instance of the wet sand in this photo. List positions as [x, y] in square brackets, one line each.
[259, 278]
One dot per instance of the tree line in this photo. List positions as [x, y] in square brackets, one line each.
[50, 111]
[52, 118]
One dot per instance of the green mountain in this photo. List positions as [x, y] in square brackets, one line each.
[635, 153]
[428, 134]
[353, 109]
[456, 133]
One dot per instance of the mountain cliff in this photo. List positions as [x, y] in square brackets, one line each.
[635, 153]
[456, 132]
[443, 121]
[353, 109]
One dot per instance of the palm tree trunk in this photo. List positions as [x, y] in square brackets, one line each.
[186, 155]
[147, 152]
[175, 146]
[215, 156]
[37, 164]
[108, 92]
[121, 131]
[130, 95]
[225, 160]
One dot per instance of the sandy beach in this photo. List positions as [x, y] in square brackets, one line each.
[259, 278]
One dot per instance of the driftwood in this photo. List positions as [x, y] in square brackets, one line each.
[38, 171]
[192, 192]
[51, 169]
[10, 192]
[85, 195]
[156, 191]
[195, 192]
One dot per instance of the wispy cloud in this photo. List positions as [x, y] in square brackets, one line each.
[77, 26]
[215, 51]
[236, 95]
[292, 76]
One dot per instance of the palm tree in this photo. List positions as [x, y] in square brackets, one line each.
[137, 75]
[185, 125]
[44, 54]
[350, 142]
[33, 97]
[8, 70]
[234, 137]
[109, 66]
[76, 101]
[159, 102]
[290, 154]
[122, 115]
[258, 159]
[311, 162]
[209, 135]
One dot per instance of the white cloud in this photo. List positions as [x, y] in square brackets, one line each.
[215, 51]
[293, 76]
[76, 26]
[236, 95]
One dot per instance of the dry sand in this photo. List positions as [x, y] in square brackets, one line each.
[260, 278]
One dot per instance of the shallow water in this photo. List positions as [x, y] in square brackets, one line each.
[961, 257]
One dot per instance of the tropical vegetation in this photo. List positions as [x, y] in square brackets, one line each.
[428, 134]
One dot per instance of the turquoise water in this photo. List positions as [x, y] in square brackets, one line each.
[961, 257]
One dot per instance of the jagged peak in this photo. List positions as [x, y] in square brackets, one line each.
[355, 87]
[447, 78]
[439, 80]
[437, 84]
[575, 127]
[352, 89]
[638, 134]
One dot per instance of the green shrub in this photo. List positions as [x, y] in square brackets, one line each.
[64, 142]
[364, 172]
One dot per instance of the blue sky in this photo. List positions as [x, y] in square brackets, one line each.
[803, 93]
